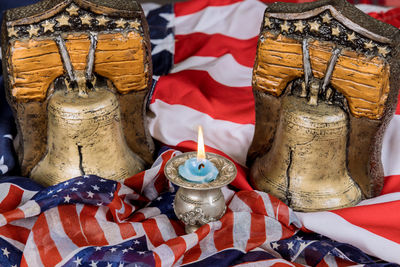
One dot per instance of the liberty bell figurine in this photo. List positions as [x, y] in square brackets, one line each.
[84, 133]
[324, 94]
[77, 75]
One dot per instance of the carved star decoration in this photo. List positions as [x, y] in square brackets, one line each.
[63, 21]
[73, 10]
[314, 26]
[299, 26]
[86, 19]
[120, 23]
[326, 18]
[383, 50]
[33, 31]
[102, 21]
[285, 27]
[351, 37]
[48, 26]
[369, 45]
[134, 24]
[336, 31]
[12, 32]
[267, 23]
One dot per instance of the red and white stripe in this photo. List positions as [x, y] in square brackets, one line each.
[210, 84]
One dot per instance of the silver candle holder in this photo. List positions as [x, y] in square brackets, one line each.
[196, 204]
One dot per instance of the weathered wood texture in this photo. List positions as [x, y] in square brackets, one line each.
[364, 81]
[120, 58]
[35, 63]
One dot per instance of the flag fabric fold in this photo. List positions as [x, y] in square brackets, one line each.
[203, 53]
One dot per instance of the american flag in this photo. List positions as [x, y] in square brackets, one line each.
[203, 53]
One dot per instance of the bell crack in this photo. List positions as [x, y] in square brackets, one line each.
[288, 195]
[80, 160]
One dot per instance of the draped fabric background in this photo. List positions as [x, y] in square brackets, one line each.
[203, 53]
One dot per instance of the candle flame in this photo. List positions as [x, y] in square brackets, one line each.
[201, 154]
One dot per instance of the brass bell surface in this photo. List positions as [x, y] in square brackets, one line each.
[306, 165]
[85, 137]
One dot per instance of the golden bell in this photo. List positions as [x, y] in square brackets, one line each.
[85, 137]
[306, 165]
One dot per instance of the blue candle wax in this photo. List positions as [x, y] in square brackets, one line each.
[198, 171]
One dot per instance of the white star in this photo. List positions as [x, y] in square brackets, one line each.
[136, 242]
[159, 198]
[73, 10]
[78, 261]
[86, 19]
[90, 194]
[50, 192]
[267, 23]
[131, 248]
[275, 245]
[14, 265]
[3, 167]
[369, 45]
[59, 190]
[168, 17]
[66, 183]
[326, 18]
[93, 264]
[299, 238]
[79, 183]
[285, 27]
[103, 181]
[111, 194]
[67, 199]
[383, 50]
[120, 23]
[135, 24]
[168, 43]
[9, 136]
[12, 32]
[351, 37]
[113, 249]
[290, 245]
[73, 189]
[63, 21]
[141, 252]
[314, 26]
[33, 31]
[48, 26]
[124, 251]
[336, 31]
[303, 245]
[99, 204]
[98, 248]
[121, 264]
[5, 252]
[109, 264]
[86, 176]
[95, 187]
[102, 21]
[299, 26]
[54, 196]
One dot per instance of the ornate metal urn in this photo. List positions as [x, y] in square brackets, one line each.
[325, 83]
[77, 73]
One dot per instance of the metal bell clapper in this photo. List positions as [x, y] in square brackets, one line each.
[195, 203]
[84, 130]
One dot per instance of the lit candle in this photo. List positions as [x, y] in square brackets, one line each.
[199, 169]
